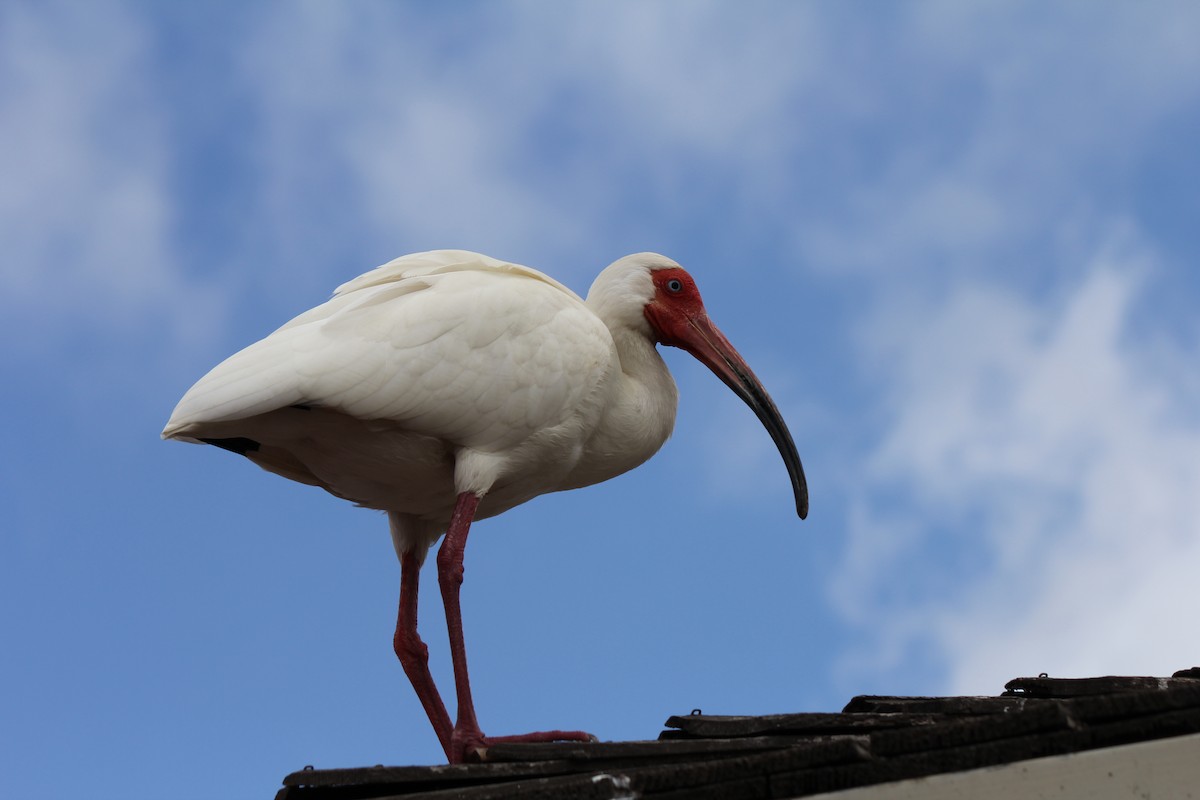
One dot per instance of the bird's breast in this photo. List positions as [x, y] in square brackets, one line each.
[634, 423]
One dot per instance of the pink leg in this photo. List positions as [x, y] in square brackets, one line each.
[467, 738]
[466, 732]
[414, 655]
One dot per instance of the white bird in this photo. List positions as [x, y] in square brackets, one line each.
[447, 386]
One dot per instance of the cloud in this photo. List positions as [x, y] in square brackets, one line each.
[1024, 500]
[991, 136]
[85, 210]
[537, 129]
[426, 152]
[1034, 504]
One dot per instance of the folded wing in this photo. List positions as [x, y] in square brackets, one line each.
[454, 345]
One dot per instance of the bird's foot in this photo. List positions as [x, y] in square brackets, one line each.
[471, 746]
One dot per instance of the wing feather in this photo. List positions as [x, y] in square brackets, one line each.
[450, 344]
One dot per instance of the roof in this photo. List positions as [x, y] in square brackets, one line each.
[873, 740]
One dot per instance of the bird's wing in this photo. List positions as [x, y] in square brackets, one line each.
[415, 265]
[449, 344]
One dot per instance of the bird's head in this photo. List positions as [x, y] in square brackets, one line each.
[672, 313]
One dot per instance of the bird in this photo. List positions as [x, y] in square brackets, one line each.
[446, 387]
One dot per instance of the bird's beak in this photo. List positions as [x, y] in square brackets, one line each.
[702, 339]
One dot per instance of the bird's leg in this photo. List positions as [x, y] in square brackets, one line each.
[467, 736]
[414, 655]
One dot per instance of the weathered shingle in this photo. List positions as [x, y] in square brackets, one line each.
[873, 740]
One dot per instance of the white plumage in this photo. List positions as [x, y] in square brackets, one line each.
[448, 378]
[431, 361]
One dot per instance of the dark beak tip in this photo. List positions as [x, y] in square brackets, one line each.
[800, 486]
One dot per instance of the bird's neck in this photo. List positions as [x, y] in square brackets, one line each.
[639, 417]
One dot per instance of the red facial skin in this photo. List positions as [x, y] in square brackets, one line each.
[678, 318]
[669, 312]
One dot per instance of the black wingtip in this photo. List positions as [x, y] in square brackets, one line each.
[238, 444]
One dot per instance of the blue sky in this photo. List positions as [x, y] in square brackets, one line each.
[957, 242]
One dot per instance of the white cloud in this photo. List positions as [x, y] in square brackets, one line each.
[1031, 502]
[530, 132]
[1001, 134]
[85, 212]
[1035, 502]
[427, 144]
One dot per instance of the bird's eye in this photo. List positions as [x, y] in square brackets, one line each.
[674, 285]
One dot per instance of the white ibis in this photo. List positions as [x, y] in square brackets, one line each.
[447, 386]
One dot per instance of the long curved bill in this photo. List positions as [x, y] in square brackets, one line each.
[704, 341]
